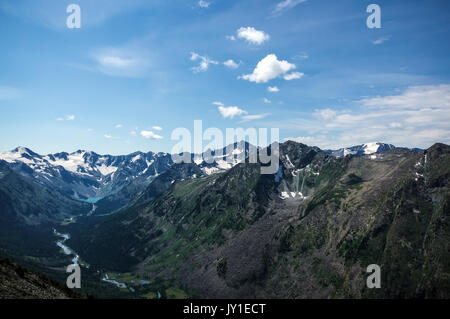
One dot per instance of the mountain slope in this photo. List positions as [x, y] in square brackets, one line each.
[234, 234]
[19, 283]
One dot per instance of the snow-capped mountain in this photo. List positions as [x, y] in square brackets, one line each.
[84, 174]
[214, 161]
[363, 149]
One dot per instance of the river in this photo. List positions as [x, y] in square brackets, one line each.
[78, 261]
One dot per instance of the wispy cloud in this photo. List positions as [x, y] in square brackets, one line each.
[129, 60]
[380, 40]
[69, 117]
[107, 136]
[204, 62]
[157, 128]
[204, 4]
[416, 117]
[119, 126]
[285, 5]
[293, 76]
[273, 89]
[253, 117]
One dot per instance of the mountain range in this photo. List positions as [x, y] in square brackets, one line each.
[227, 231]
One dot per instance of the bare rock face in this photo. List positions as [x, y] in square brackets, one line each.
[19, 283]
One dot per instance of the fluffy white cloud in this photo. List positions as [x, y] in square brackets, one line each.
[230, 111]
[204, 62]
[231, 64]
[266, 100]
[273, 89]
[150, 135]
[233, 111]
[285, 5]
[252, 35]
[119, 126]
[204, 4]
[293, 76]
[269, 68]
[107, 136]
[157, 128]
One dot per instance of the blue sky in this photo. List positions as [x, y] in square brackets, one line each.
[138, 69]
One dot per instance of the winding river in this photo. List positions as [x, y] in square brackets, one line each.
[78, 261]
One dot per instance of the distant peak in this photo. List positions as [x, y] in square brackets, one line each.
[23, 150]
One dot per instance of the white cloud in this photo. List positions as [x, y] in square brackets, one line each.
[252, 117]
[380, 40]
[157, 128]
[252, 35]
[267, 101]
[293, 76]
[395, 124]
[325, 114]
[231, 37]
[273, 89]
[204, 62]
[133, 133]
[204, 4]
[107, 136]
[130, 60]
[416, 117]
[119, 126]
[415, 97]
[269, 68]
[230, 111]
[9, 93]
[70, 117]
[286, 5]
[231, 64]
[218, 103]
[150, 135]
[302, 55]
